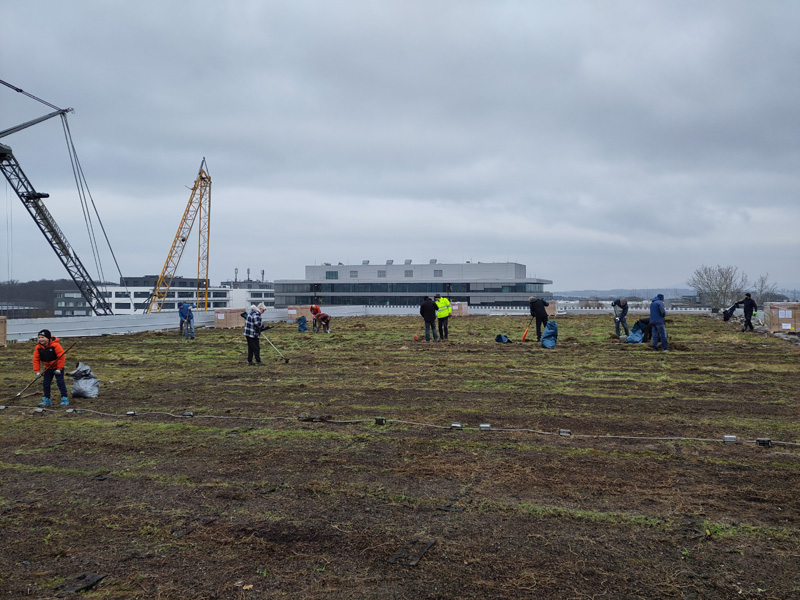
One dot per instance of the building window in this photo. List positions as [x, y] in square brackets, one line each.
[437, 273]
[353, 274]
[120, 294]
[381, 273]
[409, 273]
[331, 274]
[122, 305]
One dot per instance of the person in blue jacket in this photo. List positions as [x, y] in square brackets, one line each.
[187, 318]
[657, 314]
[180, 316]
[620, 306]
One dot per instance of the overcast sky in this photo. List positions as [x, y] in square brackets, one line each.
[613, 144]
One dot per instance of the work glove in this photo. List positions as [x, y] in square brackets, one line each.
[38, 375]
[755, 312]
[616, 319]
[58, 371]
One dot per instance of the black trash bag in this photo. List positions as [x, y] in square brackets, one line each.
[728, 312]
[302, 324]
[85, 384]
[502, 339]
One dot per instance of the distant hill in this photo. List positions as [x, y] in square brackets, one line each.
[37, 294]
[646, 293]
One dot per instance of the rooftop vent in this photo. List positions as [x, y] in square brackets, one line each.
[433, 261]
[408, 261]
[390, 262]
[364, 262]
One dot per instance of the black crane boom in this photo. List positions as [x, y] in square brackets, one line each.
[48, 226]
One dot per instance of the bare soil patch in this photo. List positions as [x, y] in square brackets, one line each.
[283, 483]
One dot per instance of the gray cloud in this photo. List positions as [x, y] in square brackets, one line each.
[601, 144]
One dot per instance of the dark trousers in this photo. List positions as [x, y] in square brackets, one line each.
[624, 324]
[253, 350]
[748, 323]
[47, 379]
[659, 334]
[443, 327]
[540, 322]
[430, 326]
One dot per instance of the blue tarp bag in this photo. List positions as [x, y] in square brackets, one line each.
[302, 325]
[502, 339]
[636, 335]
[550, 335]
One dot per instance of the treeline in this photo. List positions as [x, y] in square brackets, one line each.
[33, 291]
[34, 294]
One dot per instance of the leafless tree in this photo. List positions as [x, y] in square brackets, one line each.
[763, 290]
[720, 286]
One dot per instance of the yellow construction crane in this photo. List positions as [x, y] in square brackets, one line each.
[199, 206]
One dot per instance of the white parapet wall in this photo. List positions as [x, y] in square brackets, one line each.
[22, 330]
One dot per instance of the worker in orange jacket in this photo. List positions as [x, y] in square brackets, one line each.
[321, 321]
[48, 362]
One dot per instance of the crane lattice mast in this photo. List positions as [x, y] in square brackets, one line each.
[199, 206]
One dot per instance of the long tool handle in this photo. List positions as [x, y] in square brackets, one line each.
[276, 350]
[524, 335]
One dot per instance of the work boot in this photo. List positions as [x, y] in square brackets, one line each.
[45, 403]
[64, 401]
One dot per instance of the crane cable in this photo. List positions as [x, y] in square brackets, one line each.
[9, 239]
[83, 193]
[23, 92]
[81, 184]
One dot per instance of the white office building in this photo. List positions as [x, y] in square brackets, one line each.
[406, 284]
[133, 296]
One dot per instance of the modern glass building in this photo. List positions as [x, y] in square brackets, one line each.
[478, 284]
[132, 296]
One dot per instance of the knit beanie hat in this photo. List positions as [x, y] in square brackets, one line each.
[45, 333]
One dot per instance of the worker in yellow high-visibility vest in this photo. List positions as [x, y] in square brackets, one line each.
[443, 311]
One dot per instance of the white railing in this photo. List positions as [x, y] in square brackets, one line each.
[20, 330]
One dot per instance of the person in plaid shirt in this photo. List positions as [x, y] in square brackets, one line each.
[252, 331]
